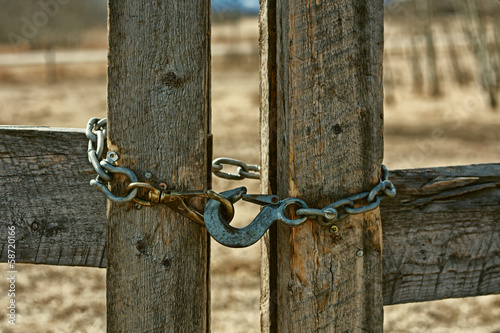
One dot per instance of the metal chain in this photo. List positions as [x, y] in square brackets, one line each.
[327, 216]
[331, 213]
[342, 208]
[244, 170]
[96, 133]
[105, 168]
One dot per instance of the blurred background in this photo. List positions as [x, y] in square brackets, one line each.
[441, 82]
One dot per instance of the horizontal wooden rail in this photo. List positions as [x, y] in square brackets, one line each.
[45, 193]
[441, 233]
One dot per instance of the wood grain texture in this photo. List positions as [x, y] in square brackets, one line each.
[158, 121]
[442, 234]
[45, 194]
[268, 158]
[330, 142]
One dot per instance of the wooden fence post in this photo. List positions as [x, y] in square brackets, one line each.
[329, 144]
[158, 121]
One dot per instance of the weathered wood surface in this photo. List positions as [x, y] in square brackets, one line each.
[442, 234]
[45, 194]
[268, 159]
[158, 121]
[329, 145]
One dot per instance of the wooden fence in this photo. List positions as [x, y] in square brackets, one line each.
[321, 112]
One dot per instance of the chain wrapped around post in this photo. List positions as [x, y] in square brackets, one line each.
[219, 210]
[105, 168]
[347, 206]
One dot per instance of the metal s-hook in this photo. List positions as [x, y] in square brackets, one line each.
[230, 236]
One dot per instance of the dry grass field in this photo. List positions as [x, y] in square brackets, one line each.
[456, 128]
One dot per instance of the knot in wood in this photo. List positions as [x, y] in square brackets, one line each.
[171, 79]
[337, 129]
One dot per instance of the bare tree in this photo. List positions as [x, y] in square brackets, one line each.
[460, 74]
[476, 30]
[389, 96]
[425, 12]
[414, 52]
[496, 51]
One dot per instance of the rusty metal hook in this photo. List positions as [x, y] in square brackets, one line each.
[230, 236]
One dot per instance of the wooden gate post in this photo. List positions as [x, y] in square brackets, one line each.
[158, 121]
[326, 104]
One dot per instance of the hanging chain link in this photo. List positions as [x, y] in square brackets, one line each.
[244, 170]
[96, 133]
[105, 168]
[218, 223]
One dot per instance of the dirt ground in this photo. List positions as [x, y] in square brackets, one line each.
[456, 128]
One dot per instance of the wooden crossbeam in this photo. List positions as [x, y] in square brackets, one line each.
[45, 193]
[441, 232]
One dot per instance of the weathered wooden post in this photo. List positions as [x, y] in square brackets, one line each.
[325, 143]
[158, 121]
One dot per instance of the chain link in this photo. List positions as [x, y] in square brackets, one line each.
[244, 170]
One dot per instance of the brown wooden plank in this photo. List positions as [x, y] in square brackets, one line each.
[45, 194]
[330, 142]
[158, 121]
[442, 234]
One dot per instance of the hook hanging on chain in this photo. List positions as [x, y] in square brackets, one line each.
[222, 232]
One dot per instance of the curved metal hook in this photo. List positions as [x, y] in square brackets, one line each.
[230, 236]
